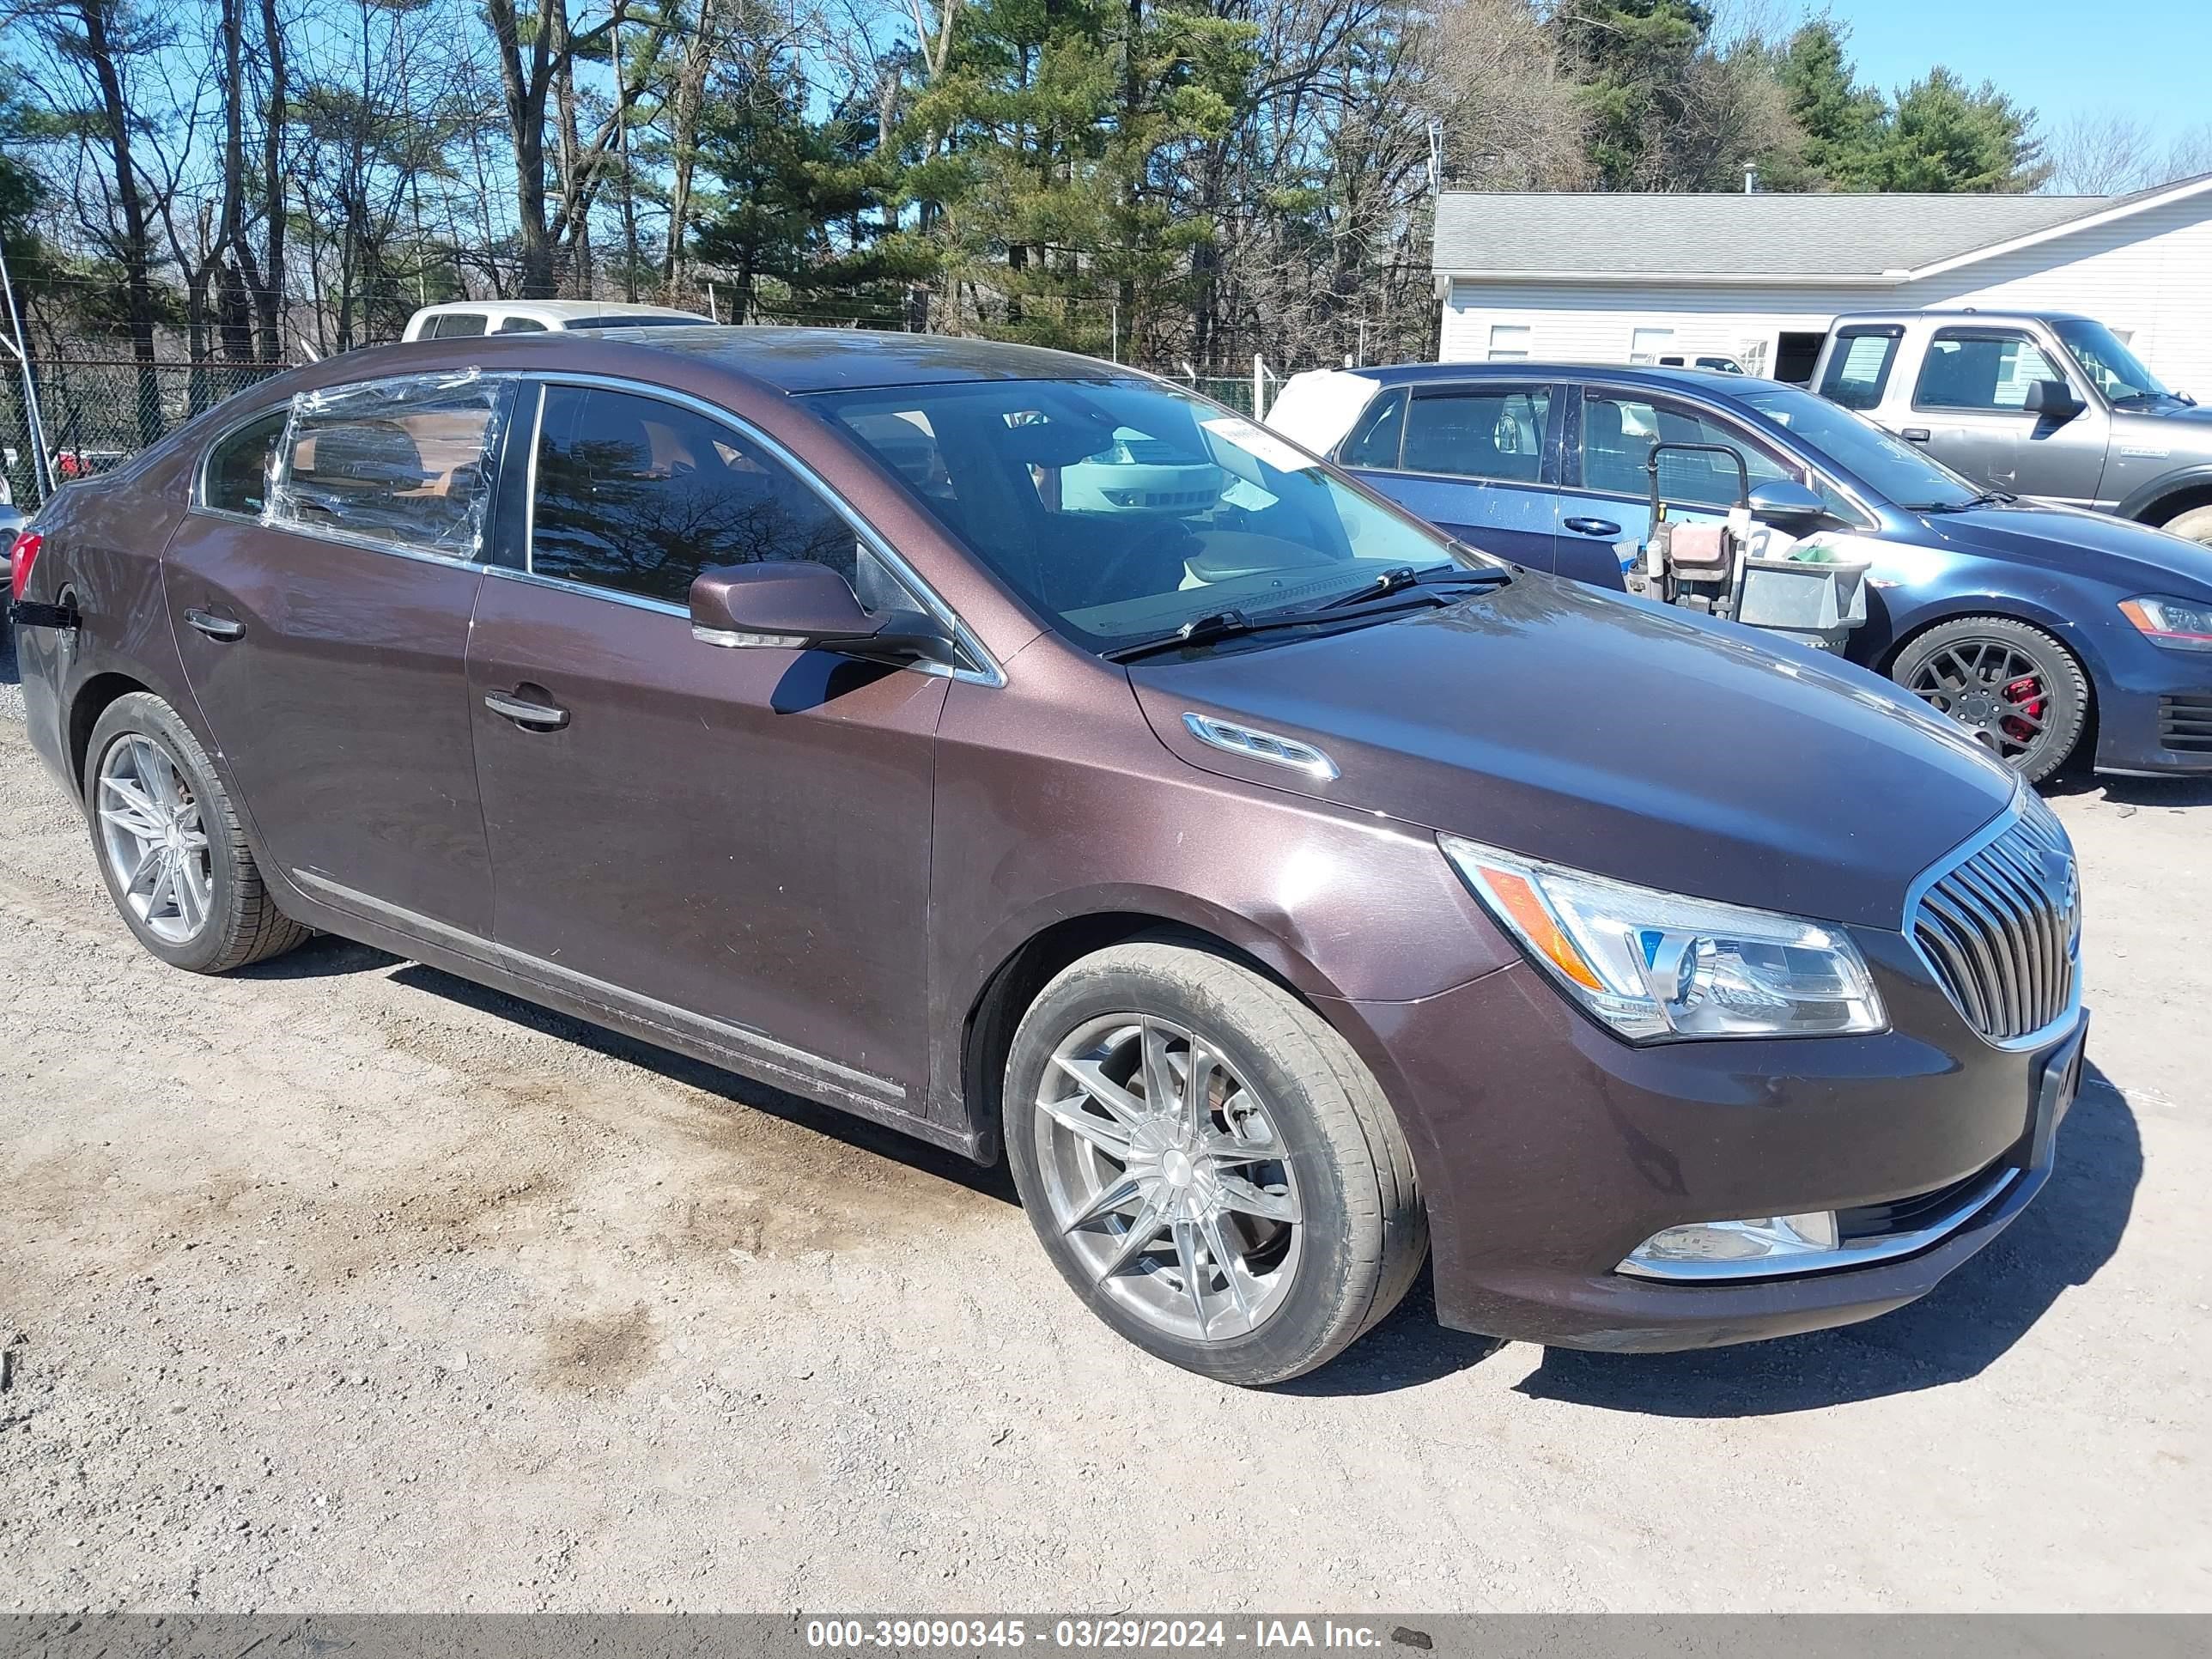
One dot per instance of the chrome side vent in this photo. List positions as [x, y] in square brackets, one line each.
[1254, 745]
[2001, 927]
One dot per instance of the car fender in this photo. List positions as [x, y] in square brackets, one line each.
[2181, 480]
[1906, 621]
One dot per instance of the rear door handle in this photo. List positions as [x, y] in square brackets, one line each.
[215, 627]
[1594, 526]
[531, 716]
[1915, 435]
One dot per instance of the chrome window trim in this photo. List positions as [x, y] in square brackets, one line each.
[1995, 829]
[988, 674]
[1887, 1247]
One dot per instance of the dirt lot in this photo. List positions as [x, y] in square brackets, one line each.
[342, 1284]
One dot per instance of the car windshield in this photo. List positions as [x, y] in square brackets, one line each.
[1125, 510]
[2105, 359]
[1889, 466]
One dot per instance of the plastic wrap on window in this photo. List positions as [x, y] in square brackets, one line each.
[402, 462]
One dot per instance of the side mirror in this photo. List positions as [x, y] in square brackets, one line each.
[795, 605]
[1784, 501]
[2054, 400]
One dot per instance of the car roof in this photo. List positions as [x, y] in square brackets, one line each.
[1967, 315]
[1709, 381]
[556, 310]
[803, 360]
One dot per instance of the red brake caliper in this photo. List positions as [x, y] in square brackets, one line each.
[2025, 694]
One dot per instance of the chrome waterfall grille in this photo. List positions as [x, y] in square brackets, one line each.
[2001, 927]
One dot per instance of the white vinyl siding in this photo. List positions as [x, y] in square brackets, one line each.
[2147, 276]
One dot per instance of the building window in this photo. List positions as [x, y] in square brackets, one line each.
[1645, 344]
[1509, 342]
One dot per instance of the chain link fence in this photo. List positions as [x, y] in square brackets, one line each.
[98, 412]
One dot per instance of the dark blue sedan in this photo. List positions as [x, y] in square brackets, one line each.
[2038, 627]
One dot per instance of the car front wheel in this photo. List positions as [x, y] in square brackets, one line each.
[2011, 684]
[1208, 1163]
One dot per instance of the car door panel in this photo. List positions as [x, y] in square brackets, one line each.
[672, 820]
[1513, 523]
[332, 673]
[1478, 458]
[685, 834]
[1966, 413]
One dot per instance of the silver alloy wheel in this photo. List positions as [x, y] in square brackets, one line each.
[152, 836]
[1169, 1177]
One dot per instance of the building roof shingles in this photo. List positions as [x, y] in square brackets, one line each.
[1770, 235]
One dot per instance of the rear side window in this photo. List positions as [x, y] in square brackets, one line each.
[237, 476]
[1374, 439]
[638, 496]
[454, 324]
[1478, 433]
[402, 463]
[1989, 370]
[1858, 367]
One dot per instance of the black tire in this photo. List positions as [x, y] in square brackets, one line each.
[1364, 1233]
[242, 924]
[1974, 669]
[2195, 525]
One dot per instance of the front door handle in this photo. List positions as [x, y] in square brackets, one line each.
[1915, 435]
[215, 627]
[1594, 526]
[531, 716]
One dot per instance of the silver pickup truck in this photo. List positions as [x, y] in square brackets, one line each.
[2033, 403]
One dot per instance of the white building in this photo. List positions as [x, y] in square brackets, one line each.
[1633, 278]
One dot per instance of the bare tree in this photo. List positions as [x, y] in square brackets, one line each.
[2102, 154]
[1512, 120]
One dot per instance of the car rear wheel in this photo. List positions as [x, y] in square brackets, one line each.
[2015, 687]
[170, 845]
[1208, 1163]
[2195, 525]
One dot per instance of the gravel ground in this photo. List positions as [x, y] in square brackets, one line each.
[344, 1286]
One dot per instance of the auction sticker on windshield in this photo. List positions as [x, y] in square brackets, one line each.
[1259, 443]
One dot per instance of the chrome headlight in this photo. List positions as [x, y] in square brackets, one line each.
[1658, 967]
[2178, 624]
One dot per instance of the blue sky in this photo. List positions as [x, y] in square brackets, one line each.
[2147, 58]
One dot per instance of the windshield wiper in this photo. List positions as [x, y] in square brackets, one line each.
[1398, 578]
[1234, 624]
[1987, 498]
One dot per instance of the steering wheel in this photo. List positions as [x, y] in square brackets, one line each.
[1105, 587]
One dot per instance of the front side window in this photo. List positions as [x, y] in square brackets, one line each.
[1858, 367]
[638, 496]
[237, 476]
[1618, 432]
[1123, 510]
[404, 462]
[1479, 432]
[1987, 371]
[1889, 466]
[2106, 358]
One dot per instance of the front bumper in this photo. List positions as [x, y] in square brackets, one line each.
[1549, 1151]
[2154, 710]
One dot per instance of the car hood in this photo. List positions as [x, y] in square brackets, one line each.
[2129, 556]
[2164, 415]
[1614, 735]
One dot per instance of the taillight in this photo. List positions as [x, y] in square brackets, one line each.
[21, 558]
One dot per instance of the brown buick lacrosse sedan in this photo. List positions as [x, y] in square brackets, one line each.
[1026, 753]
